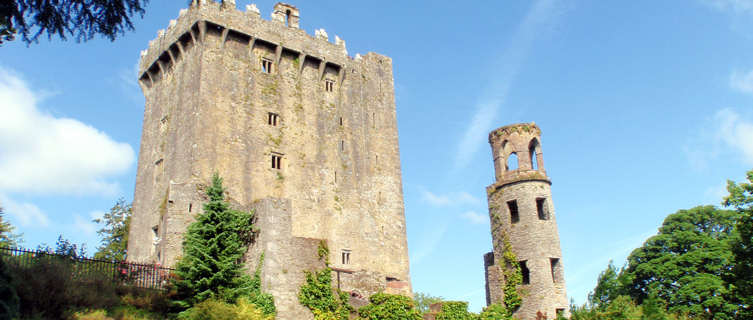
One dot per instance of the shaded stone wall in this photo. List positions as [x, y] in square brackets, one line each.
[208, 100]
[529, 223]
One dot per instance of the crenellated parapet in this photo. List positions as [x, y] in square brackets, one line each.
[191, 26]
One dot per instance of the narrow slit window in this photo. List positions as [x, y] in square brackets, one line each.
[512, 206]
[555, 266]
[541, 209]
[329, 85]
[266, 65]
[346, 257]
[190, 206]
[342, 145]
[276, 161]
[525, 272]
[341, 121]
[273, 119]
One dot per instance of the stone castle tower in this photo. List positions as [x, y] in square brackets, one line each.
[522, 212]
[302, 133]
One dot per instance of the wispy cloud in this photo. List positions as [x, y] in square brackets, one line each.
[742, 81]
[452, 199]
[735, 6]
[42, 153]
[583, 280]
[127, 79]
[429, 242]
[26, 214]
[727, 132]
[506, 68]
[85, 224]
[475, 217]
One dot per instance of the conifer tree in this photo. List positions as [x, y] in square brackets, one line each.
[213, 251]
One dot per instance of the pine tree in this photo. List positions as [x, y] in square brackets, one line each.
[213, 251]
[7, 236]
[114, 233]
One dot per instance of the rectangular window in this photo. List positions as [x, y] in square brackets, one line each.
[560, 312]
[346, 256]
[266, 65]
[273, 118]
[525, 272]
[329, 85]
[555, 266]
[541, 209]
[512, 205]
[276, 161]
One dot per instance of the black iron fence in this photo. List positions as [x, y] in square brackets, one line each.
[83, 269]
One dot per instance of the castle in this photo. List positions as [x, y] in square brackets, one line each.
[303, 134]
[523, 221]
[306, 137]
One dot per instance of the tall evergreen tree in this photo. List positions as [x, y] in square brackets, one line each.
[114, 233]
[741, 198]
[7, 236]
[213, 252]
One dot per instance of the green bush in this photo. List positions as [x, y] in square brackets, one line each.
[455, 310]
[389, 307]
[317, 295]
[9, 302]
[51, 286]
[214, 309]
[495, 312]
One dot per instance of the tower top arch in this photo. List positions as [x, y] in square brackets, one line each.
[517, 153]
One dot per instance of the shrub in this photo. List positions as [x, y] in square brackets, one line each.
[494, 312]
[317, 295]
[214, 309]
[455, 310]
[50, 286]
[8, 297]
[389, 307]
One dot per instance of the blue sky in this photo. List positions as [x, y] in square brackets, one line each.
[646, 107]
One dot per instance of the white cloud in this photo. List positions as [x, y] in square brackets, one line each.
[27, 214]
[475, 217]
[735, 132]
[41, 153]
[506, 68]
[742, 81]
[727, 133]
[736, 6]
[453, 199]
[86, 225]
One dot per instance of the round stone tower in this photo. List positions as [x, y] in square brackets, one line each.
[522, 219]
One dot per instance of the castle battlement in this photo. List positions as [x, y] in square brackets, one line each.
[247, 27]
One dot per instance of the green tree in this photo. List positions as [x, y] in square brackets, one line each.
[495, 312]
[82, 19]
[324, 302]
[7, 236]
[686, 262]
[213, 252]
[741, 198]
[423, 301]
[114, 232]
[608, 288]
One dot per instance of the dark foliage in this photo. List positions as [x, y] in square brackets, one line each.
[82, 19]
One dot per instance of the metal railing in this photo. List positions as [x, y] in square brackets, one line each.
[82, 269]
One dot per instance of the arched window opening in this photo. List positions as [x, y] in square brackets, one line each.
[512, 162]
[287, 17]
[533, 152]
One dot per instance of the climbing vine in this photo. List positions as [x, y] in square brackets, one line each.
[512, 275]
[317, 293]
